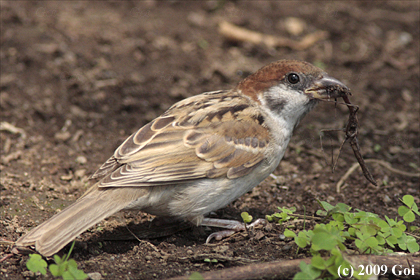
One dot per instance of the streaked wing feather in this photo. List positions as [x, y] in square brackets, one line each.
[195, 138]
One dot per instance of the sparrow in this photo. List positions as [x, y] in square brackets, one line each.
[201, 154]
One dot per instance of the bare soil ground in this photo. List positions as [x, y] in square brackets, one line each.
[77, 78]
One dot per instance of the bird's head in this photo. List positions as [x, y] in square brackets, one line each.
[289, 88]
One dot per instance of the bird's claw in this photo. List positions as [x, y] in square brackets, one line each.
[219, 235]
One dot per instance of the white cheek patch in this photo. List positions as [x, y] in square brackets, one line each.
[286, 108]
[287, 103]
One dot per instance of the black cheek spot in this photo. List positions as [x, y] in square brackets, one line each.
[276, 105]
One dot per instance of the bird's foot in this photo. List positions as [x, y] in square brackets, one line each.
[231, 226]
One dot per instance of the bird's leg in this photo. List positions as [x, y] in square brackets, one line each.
[231, 226]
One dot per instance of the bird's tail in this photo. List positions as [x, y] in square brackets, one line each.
[94, 206]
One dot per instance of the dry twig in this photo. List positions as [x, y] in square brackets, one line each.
[236, 33]
[5, 126]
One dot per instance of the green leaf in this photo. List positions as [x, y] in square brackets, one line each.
[396, 232]
[246, 217]
[391, 240]
[55, 270]
[321, 213]
[402, 210]
[318, 262]
[196, 276]
[58, 260]
[289, 233]
[409, 217]
[409, 243]
[415, 209]
[352, 231]
[359, 244]
[380, 240]
[338, 217]
[402, 242]
[343, 208]
[400, 225]
[76, 273]
[36, 264]
[323, 241]
[325, 205]
[301, 242]
[383, 225]
[331, 267]
[308, 272]
[408, 200]
[412, 245]
[372, 242]
[68, 276]
[72, 263]
[390, 221]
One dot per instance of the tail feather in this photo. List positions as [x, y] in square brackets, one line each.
[58, 231]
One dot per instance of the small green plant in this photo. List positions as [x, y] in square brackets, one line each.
[210, 260]
[360, 230]
[246, 217]
[285, 214]
[408, 210]
[63, 267]
[37, 264]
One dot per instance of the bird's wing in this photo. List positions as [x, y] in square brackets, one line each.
[205, 136]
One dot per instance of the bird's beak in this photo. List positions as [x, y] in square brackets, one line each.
[327, 88]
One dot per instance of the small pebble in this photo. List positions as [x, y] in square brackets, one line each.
[80, 173]
[330, 198]
[62, 136]
[294, 26]
[286, 248]
[81, 159]
[95, 276]
[68, 177]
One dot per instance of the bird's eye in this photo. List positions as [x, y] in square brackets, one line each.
[293, 78]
